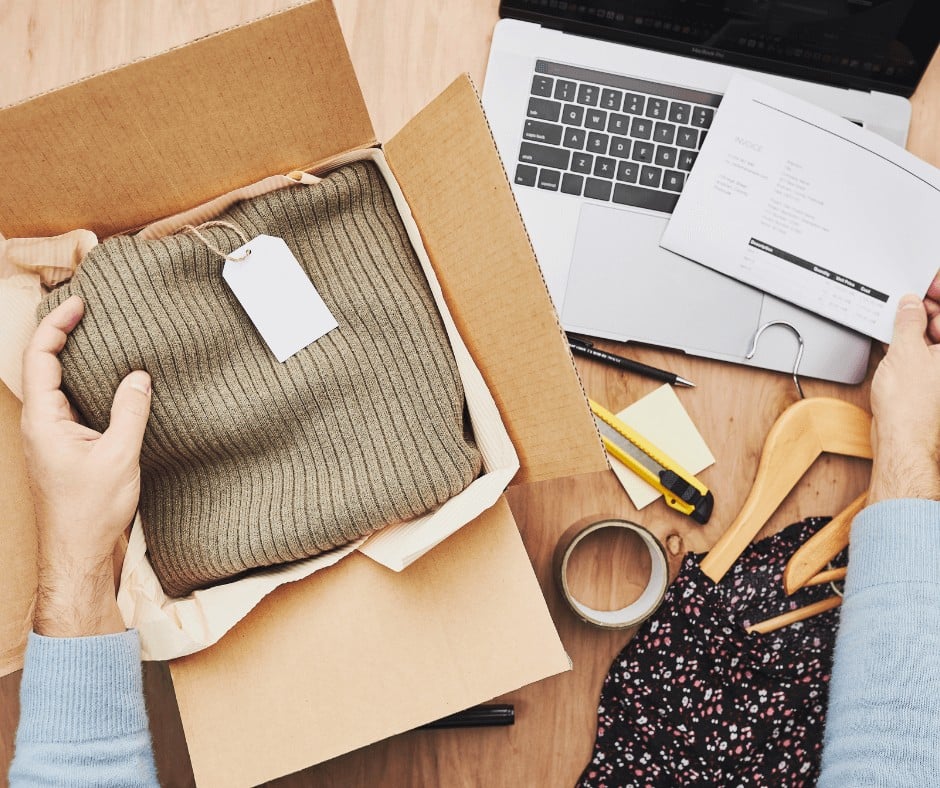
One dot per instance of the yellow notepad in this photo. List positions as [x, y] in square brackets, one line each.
[661, 419]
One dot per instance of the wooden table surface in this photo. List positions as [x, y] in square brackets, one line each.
[405, 52]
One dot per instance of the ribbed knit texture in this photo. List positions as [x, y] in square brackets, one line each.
[883, 727]
[248, 462]
[82, 719]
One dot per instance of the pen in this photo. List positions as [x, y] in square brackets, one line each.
[477, 717]
[586, 348]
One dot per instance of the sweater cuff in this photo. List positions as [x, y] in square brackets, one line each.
[82, 689]
[896, 541]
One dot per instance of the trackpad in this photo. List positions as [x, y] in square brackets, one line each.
[623, 286]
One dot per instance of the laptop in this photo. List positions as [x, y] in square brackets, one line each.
[599, 109]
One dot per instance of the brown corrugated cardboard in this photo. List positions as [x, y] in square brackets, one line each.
[139, 142]
[477, 243]
[324, 666]
[356, 653]
[18, 525]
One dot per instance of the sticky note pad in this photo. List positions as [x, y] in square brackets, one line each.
[660, 418]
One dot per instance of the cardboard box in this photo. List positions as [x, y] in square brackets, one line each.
[356, 653]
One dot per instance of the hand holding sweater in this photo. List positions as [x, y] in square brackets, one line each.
[83, 720]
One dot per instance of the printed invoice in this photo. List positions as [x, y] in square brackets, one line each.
[807, 206]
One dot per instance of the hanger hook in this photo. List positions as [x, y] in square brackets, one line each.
[799, 353]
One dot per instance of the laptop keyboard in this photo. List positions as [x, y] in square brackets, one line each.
[611, 138]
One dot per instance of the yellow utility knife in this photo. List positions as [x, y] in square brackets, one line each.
[680, 489]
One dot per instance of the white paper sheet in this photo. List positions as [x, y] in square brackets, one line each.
[803, 204]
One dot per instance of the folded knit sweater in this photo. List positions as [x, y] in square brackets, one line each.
[248, 462]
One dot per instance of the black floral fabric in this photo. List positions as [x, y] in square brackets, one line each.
[694, 700]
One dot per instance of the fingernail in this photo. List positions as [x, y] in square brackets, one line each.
[909, 302]
[141, 382]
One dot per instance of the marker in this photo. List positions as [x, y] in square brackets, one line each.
[585, 348]
[477, 717]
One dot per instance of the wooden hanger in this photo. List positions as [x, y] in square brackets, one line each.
[807, 563]
[784, 620]
[805, 567]
[803, 432]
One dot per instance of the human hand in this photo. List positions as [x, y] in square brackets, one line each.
[85, 485]
[932, 304]
[905, 403]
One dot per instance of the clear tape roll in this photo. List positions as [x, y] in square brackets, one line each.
[637, 611]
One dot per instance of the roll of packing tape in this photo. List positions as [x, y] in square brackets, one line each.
[634, 613]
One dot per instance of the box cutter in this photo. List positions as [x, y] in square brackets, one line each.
[680, 489]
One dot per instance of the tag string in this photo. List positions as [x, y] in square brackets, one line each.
[212, 247]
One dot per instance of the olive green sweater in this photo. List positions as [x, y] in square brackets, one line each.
[248, 462]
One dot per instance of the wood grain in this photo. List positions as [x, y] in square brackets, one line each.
[405, 52]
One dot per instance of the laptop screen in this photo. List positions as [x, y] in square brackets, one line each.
[863, 44]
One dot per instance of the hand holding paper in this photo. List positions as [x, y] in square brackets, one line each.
[805, 205]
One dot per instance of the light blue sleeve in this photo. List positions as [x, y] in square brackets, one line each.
[883, 723]
[82, 716]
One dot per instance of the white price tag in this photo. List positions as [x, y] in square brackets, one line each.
[277, 295]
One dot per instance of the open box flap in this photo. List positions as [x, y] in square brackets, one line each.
[123, 148]
[18, 537]
[359, 653]
[446, 163]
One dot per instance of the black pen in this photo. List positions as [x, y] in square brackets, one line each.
[477, 716]
[586, 348]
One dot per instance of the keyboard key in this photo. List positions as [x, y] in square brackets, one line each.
[572, 114]
[687, 159]
[588, 94]
[611, 99]
[571, 184]
[657, 108]
[596, 142]
[595, 119]
[686, 137]
[574, 137]
[604, 167]
[597, 189]
[549, 179]
[645, 198]
[679, 112]
[530, 153]
[702, 117]
[673, 180]
[666, 156]
[626, 171]
[618, 124]
[539, 131]
[665, 133]
[526, 174]
[582, 162]
[643, 151]
[543, 109]
[651, 176]
[565, 90]
[701, 138]
[542, 85]
[633, 103]
[619, 147]
[641, 128]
